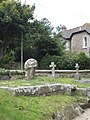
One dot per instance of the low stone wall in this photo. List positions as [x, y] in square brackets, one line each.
[63, 73]
[50, 89]
[83, 91]
[59, 73]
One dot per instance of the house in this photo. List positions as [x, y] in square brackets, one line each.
[78, 39]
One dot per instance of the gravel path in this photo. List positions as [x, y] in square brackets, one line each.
[84, 116]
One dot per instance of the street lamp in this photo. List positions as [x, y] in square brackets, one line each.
[21, 50]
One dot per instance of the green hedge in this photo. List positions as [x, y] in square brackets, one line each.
[11, 72]
[66, 62]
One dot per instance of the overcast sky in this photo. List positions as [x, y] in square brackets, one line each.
[71, 13]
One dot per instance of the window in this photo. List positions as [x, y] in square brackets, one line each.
[84, 42]
[67, 46]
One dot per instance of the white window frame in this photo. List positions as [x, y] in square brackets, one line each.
[85, 41]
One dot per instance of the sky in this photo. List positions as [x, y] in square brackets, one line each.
[71, 13]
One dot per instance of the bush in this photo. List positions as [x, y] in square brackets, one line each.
[66, 62]
[11, 72]
[46, 61]
[62, 62]
[83, 61]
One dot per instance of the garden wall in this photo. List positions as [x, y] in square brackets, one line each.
[19, 74]
[49, 89]
[64, 73]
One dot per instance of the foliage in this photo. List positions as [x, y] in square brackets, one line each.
[13, 20]
[66, 61]
[46, 61]
[57, 36]
[11, 72]
[62, 62]
[83, 61]
[40, 40]
[10, 56]
[16, 72]
[17, 19]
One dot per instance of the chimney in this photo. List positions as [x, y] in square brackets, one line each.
[64, 28]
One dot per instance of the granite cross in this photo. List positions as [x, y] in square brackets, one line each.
[77, 76]
[77, 68]
[53, 68]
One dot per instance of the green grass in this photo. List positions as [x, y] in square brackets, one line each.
[40, 81]
[32, 108]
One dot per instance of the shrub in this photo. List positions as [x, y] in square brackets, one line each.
[11, 72]
[66, 62]
[83, 61]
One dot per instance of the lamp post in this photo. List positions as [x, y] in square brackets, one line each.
[21, 50]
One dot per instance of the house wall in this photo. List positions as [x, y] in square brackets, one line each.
[77, 43]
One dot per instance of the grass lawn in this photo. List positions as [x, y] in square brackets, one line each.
[41, 81]
[34, 108]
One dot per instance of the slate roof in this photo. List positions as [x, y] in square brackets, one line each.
[68, 33]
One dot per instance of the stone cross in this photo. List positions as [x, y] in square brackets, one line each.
[53, 68]
[77, 68]
[77, 76]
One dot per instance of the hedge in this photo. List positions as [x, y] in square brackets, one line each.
[66, 62]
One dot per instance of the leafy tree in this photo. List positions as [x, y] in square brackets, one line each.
[38, 36]
[59, 39]
[40, 40]
[13, 20]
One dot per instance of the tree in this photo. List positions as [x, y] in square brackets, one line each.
[13, 20]
[40, 40]
[59, 39]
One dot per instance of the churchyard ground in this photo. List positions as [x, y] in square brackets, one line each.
[34, 108]
[42, 81]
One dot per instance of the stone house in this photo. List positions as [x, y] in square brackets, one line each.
[78, 39]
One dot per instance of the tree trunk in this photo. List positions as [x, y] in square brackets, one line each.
[2, 52]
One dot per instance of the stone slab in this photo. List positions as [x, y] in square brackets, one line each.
[86, 81]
